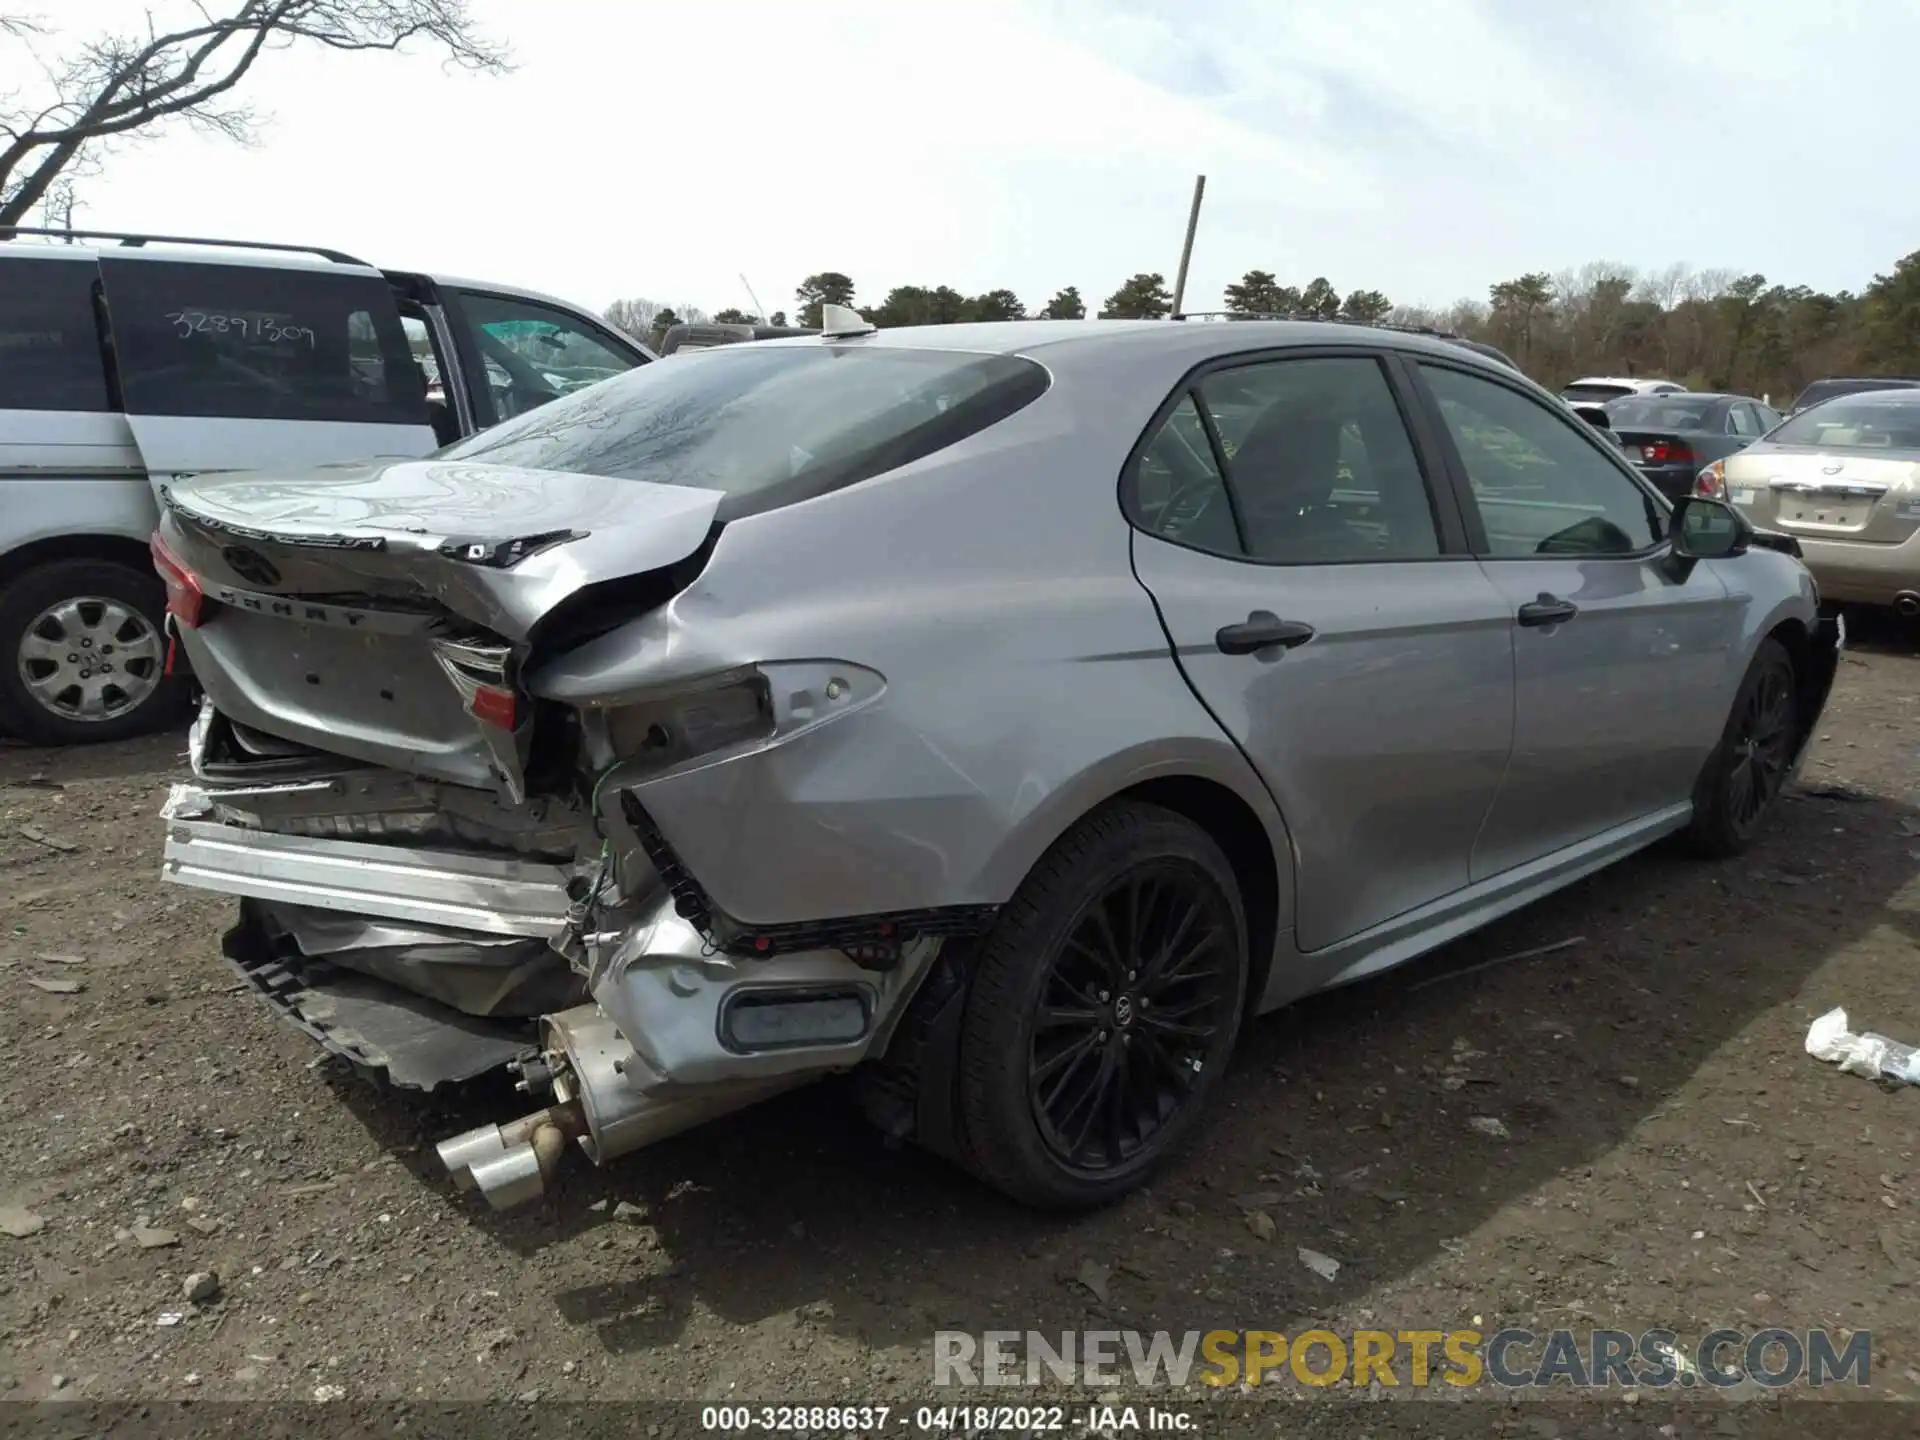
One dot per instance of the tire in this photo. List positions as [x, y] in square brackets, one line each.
[1017, 1127]
[1748, 768]
[134, 697]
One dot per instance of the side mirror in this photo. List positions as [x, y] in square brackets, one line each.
[1708, 529]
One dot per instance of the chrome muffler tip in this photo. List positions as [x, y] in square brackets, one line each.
[510, 1164]
[511, 1178]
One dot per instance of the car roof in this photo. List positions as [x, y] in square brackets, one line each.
[1892, 380]
[1189, 344]
[1892, 395]
[183, 252]
[1683, 395]
[312, 262]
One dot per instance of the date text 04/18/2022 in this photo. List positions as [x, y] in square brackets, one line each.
[943, 1419]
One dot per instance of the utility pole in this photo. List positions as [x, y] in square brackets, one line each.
[1186, 250]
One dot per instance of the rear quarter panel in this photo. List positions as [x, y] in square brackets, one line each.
[1027, 675]
[69, 474]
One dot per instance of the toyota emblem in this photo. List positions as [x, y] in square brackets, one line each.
[250, 565]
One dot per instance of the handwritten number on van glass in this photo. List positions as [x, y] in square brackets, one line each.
[264, 328]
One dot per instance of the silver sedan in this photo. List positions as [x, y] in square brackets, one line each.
[999, 712]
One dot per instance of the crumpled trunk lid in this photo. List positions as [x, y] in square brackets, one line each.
[383, 611]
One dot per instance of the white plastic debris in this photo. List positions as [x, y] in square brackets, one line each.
[1871, 1056]
[1325, 1266]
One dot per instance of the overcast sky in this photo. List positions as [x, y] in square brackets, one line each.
[1426, 148]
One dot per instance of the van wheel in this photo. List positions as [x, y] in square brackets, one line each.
[1748, 768]
[1102, 1010]
[83, 655]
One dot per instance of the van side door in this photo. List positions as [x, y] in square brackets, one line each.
[261, 365]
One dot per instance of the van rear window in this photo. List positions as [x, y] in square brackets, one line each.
[260, 343]
[49, 340]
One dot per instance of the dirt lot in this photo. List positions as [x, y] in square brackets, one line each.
[1673, 1158]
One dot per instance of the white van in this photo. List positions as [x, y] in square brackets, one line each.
[128, 359]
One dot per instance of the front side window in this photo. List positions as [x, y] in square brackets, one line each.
[767, 424]
[260, 343]
[533, 353]
[49, 338]
[1541, 486]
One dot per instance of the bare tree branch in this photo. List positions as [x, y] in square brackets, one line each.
[118, 85]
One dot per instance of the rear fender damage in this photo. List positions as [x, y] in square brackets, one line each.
[433, 933]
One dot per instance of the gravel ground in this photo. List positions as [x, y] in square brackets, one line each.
[1670, 1156]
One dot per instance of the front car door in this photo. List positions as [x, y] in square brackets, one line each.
[1315, 584]
[519, 353]
[1619, 667]
[257, 366]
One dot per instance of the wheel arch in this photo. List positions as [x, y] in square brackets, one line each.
[1237, 829]
[114, 549]
[1208, 784]
[1793, 636]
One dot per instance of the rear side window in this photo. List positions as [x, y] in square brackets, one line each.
[767, 424]
[49, 341]
[260, 343]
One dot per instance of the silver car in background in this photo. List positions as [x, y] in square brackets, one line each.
[1843, 478]
[1003, 712]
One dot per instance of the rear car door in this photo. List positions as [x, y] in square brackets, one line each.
[520, 353]
[262, 365]
[1321, 603]
[1619, 667]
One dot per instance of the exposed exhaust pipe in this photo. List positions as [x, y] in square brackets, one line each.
[511, 1164]
[600, 1089]
[1907, 603]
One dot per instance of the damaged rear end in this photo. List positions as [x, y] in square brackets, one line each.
[438, 873]
[443, 873]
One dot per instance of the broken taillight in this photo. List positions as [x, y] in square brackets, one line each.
[185, 600]
[495, 706]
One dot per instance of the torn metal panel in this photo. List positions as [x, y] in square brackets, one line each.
[494, 976]
[495, 896]
[413, 1042]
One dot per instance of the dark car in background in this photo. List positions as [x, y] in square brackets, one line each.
[1671, 437]
[1848, 385]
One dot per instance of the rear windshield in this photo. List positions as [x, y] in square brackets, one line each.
[1664, 413]
[260, 343]
[767, 424]
[1881, 423]
[1827, 389]
[1595, 392]
[49, 340]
